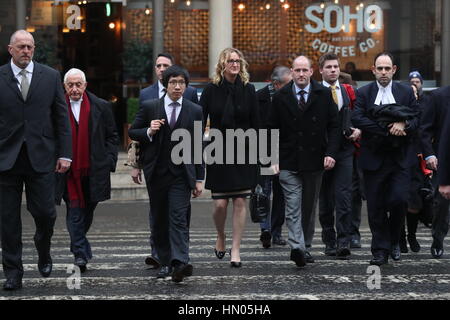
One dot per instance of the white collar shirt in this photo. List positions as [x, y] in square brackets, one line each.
[16, 71]
[384, 95]
[161, 90]
[76, 107]
[169, 109]
[338, 92]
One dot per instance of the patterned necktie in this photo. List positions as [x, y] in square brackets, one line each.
[302, 101]
[173, 115]
[334, 94]
[24, 84]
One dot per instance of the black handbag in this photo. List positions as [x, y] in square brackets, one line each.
[259, 205]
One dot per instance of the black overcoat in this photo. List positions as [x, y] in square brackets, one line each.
[231, 177]
[103, 152]
[307, 137]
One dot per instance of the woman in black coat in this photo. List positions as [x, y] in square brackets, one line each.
[230, 102]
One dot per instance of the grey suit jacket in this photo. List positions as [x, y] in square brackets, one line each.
[41, 120]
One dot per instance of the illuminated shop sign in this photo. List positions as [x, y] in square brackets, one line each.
[347, 25]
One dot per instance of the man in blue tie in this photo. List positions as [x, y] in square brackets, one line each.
[169, 185]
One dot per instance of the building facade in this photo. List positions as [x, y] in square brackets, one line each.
[115, 41]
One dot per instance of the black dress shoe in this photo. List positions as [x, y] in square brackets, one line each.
[153, 262]
[403, 246]
[413, 243]
[330, 249]
[395, 252]
[343, 253]
[81, 263]
[12, 284]
[355, 244]
[181, 271]
[235, 264]
[308, 257]
[437, 249]
[379, 260]
[279, 241]
[163, 272]
[265, 238]
[45, 267]
[298, 256]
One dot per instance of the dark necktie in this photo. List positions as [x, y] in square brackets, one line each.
[302, 101]
[173, 115]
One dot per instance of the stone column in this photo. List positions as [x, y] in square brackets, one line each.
[21, 12]
[220, 29]
[158, 30]
[445, 49]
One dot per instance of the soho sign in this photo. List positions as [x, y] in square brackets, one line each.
[368, 20]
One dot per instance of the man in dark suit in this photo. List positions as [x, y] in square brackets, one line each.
[157, 91]
[336, 189]
[307, 119]
[35, 140]
[169, 185]
[434, 141]
[444, 155]
[94, 150]
[271, 228]
[387, 155]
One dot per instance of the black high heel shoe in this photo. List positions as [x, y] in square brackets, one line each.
[219, 254]
[235, 264]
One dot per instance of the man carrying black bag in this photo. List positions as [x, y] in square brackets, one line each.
[386, 166]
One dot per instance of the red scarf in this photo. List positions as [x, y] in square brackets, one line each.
[80, 153]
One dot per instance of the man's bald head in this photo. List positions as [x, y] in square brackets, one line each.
[20, 34]
[21, 48]
[302, 71]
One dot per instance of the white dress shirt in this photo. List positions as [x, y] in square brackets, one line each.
[76, 107]
[338, 92]
[169, 110]
[16, 71]
[384, 95]
[161, 89]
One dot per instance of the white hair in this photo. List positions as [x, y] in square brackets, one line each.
[12, 40]
[74, 71]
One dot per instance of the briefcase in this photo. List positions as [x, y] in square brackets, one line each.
[259, 205]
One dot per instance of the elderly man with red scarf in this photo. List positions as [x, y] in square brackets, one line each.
[94, 147]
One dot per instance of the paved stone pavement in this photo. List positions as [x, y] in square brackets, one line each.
[119, 239]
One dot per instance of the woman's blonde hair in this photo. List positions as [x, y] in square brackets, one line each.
[220, 66]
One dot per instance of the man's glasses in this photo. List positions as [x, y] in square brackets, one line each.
[173, 83]
[233, 61]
